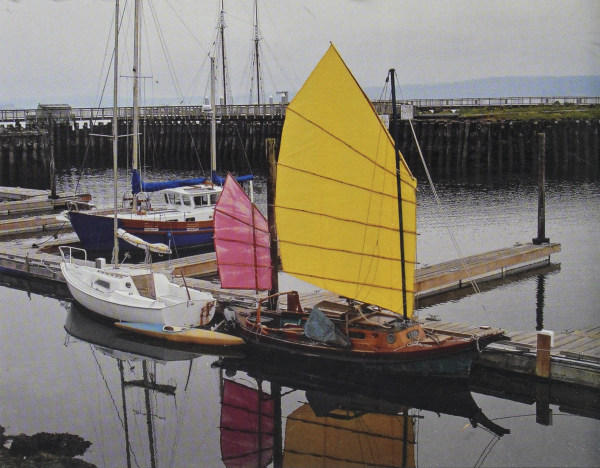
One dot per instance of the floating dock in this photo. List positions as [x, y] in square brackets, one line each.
[19, 201]
[571, 358]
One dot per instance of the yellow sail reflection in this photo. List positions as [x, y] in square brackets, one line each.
[336, 201]
[337, 441]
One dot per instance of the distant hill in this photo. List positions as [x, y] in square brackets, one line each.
[511, 86]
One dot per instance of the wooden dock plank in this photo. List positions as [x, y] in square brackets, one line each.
[580, 346]
[433, 277]
[517, 337]
[564, 339]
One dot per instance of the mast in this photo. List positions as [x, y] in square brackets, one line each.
[115, 133]
[213, 120]
[136, 91]
[399, 185]
[256, 39]
[224, 65]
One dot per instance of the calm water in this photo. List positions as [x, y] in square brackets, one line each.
[202, 414]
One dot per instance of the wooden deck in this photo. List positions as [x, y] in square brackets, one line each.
[458, 273]
[574, 357]
[18, 201]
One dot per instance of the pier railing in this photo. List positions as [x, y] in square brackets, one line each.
[275, 109]
[148, 112]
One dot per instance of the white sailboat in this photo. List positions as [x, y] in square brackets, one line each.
[128, 294]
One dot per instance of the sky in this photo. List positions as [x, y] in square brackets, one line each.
[57, 51]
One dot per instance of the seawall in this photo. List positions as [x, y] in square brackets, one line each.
[28, 153]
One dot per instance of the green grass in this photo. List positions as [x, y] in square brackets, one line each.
[540, 112]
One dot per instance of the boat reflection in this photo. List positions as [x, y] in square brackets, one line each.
[349, 418]
[151, 413]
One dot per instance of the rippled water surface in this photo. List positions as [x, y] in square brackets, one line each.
[142, 405]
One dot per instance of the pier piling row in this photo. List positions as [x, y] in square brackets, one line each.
[477, 146]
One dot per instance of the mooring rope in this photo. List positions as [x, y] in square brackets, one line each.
[439, 203]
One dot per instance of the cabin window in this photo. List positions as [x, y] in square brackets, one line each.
[357, 335]
[177, 199]
[201, 200]
[186, 200]
[190, 219]
[102, 283]
[166, 198]
[214, 198]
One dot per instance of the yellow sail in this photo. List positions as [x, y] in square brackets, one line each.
[341, 441]
[337, 198]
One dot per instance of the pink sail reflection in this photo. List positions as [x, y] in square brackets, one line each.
[241, 241]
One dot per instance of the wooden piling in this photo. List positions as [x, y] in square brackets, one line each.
[542, 366]
[271, 185]
[541, 164]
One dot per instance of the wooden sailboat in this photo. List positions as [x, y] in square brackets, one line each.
[345, 214]
[128, 294]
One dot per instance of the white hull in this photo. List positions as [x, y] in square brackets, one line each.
[113, 294]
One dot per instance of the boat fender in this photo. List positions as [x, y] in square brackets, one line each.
[229, 314]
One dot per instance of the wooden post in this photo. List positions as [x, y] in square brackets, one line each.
[271, 183]
[541, 162]
[543, 412]
[51, 130]
[542, 365]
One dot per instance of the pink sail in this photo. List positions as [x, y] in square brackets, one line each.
[241, 241]
[247, 421]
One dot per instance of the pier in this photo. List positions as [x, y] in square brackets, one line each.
[178, 138]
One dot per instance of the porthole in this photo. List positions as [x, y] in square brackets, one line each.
[391, 338]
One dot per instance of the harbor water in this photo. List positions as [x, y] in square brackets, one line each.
[141, 404]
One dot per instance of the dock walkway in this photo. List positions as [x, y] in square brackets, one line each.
[575, 357]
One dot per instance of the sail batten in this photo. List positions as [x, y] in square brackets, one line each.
[407, 200]
[337, 193]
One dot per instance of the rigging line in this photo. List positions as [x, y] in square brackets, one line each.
[486, 451]
[107, 387]
[87, 149]
[186, 26]
[86, 394]
[291, 62]
[166, 53]
[197, 78]
[273, 57]
[439, 203]
[243, 146]
[376, 246]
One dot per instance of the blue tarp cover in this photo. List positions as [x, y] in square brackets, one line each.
[319, 328]
[138, 186]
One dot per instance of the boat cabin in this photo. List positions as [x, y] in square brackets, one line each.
[192, 197]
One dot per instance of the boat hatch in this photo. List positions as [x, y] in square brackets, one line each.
[103, 284]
